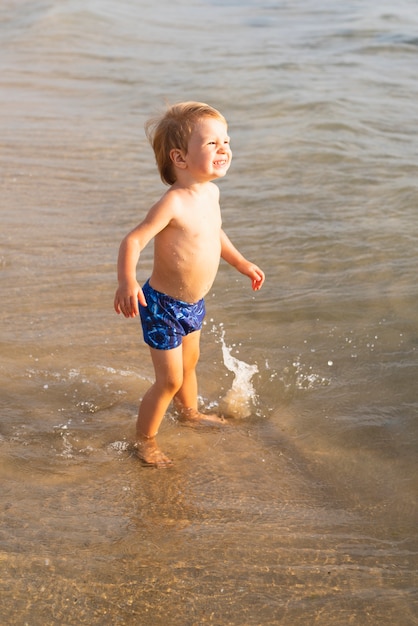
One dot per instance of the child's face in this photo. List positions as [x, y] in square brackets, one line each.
[208, 154]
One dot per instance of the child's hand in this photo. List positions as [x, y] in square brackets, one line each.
[254, 273]
[257, 277]
[126, 299]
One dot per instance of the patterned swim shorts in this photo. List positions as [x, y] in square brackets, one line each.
[165, 320]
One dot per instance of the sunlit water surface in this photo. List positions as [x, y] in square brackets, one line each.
[303, 510]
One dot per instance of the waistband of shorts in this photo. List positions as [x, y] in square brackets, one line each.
[170, 298]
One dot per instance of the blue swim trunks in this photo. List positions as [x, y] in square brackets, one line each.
[165, 321]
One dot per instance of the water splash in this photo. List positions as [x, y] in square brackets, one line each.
[241, 398]
[299, 376]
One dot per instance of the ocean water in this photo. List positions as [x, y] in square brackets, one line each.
[303, 510]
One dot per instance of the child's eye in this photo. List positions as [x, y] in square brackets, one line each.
[213, 143]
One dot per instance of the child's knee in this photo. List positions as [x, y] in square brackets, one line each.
[172, 383]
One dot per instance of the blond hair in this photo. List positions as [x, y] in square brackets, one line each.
[172, 131]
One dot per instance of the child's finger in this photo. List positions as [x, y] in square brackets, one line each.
[141, 298]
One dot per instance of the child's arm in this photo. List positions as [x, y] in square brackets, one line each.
[232, 256]
[129, 290]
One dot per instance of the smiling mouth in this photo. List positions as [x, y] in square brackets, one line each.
[222, 162]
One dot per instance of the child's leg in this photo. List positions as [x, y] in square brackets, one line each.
[168, 368]
[186, 398]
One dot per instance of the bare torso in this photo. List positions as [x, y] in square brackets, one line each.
[187, 251]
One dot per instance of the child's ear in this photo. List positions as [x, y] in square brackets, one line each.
[177, 157]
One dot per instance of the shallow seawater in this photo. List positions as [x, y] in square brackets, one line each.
[303, 509]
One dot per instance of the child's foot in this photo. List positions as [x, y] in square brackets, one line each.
[192, 417]
[150, 454]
